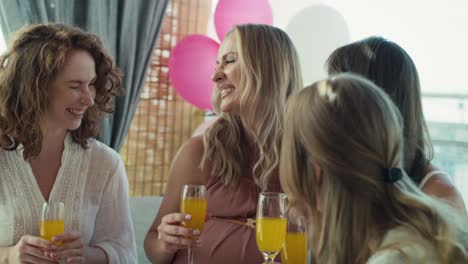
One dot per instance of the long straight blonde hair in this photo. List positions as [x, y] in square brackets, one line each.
[270, 73]
[352, 132]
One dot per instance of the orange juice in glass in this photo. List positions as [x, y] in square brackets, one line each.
[52, 220]
[271, 224]
[196, 207]
[270, 233]
[295, 248]
[50, 228]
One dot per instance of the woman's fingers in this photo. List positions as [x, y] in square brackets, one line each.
[174, 236]
[75, 252]
[176, 230]
[75, 260]
[169, 247]
[175, 218]
[177, 235]
[35, 252]
[38, 242]
[67, 236]
[74, 244]
[179, 241]
[33, 248]
[38, 257]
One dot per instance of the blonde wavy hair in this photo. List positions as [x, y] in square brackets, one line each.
[349, 129]
[270, 73]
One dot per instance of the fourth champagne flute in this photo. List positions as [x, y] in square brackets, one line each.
[295, 247]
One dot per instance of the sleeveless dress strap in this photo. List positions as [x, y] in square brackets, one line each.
[429, 176]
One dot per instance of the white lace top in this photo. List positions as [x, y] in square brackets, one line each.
[92, 184]
[401, 245]
[428, 176]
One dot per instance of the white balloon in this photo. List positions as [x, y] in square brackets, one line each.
[317, 31]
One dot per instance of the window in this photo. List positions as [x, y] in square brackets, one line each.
[163, 120]
[434, 34]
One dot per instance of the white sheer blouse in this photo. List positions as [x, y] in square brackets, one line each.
[402, 245]
[92, 184]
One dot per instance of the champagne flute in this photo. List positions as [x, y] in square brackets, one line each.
[52, 220]
[271, 224]
[194, 203]
[295, 248]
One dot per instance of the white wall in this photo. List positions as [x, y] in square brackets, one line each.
[434, 32]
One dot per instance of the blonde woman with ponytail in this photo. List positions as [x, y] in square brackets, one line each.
[342, 163]
[238, 157]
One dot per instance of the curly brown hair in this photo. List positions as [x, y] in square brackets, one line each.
[35, 56]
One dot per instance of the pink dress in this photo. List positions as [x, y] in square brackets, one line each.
[222, 241]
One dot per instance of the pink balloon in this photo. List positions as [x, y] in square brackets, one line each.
[234, 12]
[191, 65]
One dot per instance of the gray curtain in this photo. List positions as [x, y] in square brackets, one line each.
[128, 28]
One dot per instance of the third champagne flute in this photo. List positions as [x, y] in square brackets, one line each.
[271, 224]
[194, 203]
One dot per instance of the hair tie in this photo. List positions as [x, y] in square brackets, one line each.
[392, 175]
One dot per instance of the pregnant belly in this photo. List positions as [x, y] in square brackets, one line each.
[226, 243]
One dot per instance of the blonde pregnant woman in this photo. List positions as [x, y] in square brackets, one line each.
[237, 157]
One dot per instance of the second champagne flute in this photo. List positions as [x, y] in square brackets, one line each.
[194, 203]
[271, 224]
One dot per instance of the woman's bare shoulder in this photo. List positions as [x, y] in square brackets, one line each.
[441, 186]
[188, 160]
[193, 146]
